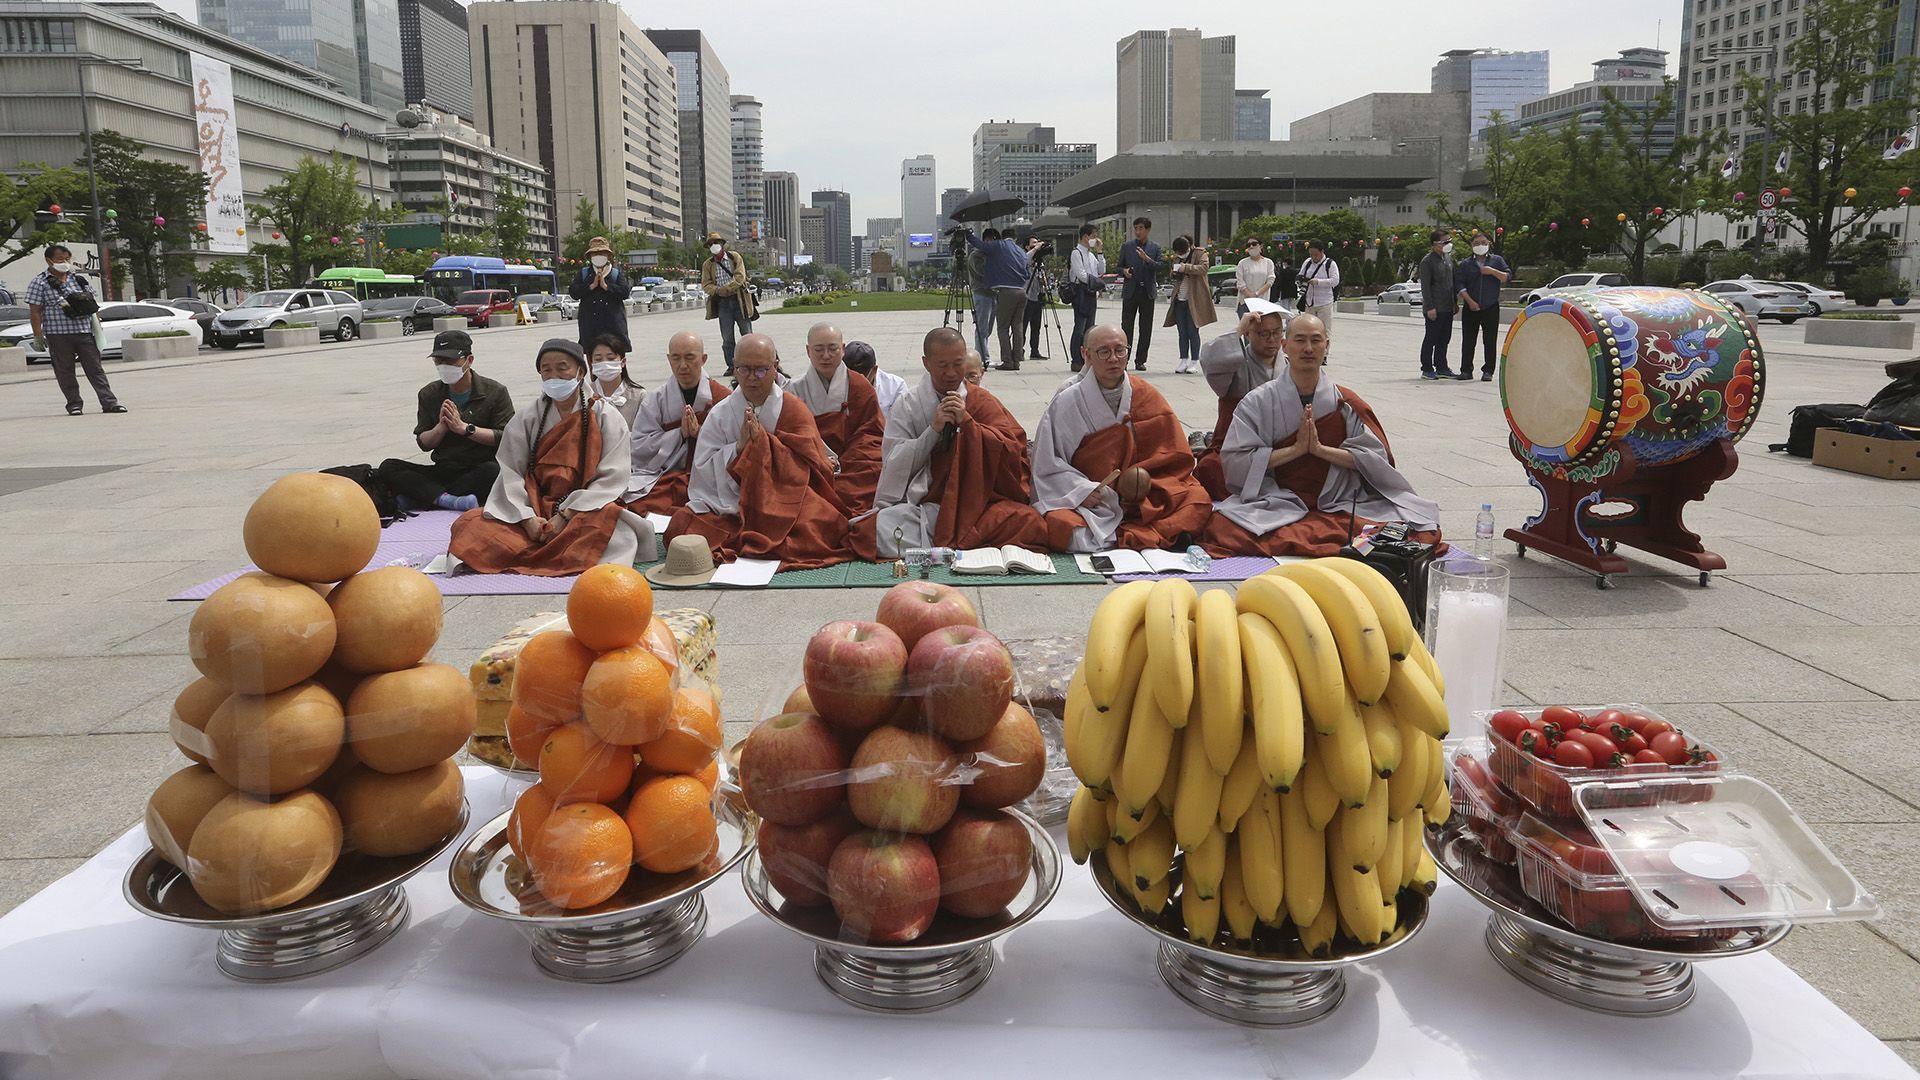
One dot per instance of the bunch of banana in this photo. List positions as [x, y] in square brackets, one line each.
[1280, 748]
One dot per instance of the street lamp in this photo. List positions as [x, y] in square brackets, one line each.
[1293, 184]
[93, 184]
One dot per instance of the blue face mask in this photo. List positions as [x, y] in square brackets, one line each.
[560, 389]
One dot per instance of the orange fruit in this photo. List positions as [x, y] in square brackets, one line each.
[526, 735]
[692, 736]
[530, 812]
[609, 607]
[547, 676]
[581, 855]
[628, 697]
[663, 644]
[577, 767]
[710, 776]
[671, 819]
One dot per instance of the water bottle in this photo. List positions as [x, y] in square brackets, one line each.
[1198, 559]
[1483, 533]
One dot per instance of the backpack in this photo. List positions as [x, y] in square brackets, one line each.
[369, 480]
[1807, 419]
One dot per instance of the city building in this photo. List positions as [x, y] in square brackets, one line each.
[837, 226]
[355, 46]
[436, 62]
[575, 86]
[1635, 79]
[1252, 116]
[813, 234]
[950, 198]
[1174, 85]
[749, 153]
[1496, 81]
[1031, 169]
[919, 220]
[1432, 127]
[450, 175]
[781, 233]
[999, 132]
[706, 133]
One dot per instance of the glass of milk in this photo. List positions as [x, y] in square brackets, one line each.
[1467, 634]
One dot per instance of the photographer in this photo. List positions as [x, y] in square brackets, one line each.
[1086, 279]
[61, 305]
[1038, 281]
[1004, 266]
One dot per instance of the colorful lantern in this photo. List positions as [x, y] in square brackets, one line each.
[159, 222]
[276, 236]
[1699, 204]
[111, 214]
[1739, 196]
[1499, 230]
[306, 238]
[1586, 223]
[1849, 193]
[54, 209]
[1657, 211]
[1785, 191]
[200, 226]
[1621, 218]
[240, 230]
[1903, 193]
[334, 240]
[1553, 226]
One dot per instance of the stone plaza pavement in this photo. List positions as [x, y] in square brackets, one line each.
[1799, 661]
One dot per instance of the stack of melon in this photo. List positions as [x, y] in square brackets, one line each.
[316, 727]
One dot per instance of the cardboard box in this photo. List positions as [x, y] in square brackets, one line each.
[1888, 459]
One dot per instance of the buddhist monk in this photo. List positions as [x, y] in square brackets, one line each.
[955, 472]
[846, 411]
[886, 385]
[1099, 426]
[564, 463]
[667, 425]
[1234, 365]
[1307, 462]
[761, 486]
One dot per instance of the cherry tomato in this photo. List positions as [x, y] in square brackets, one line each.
[1507, 724]
[1597, 745]
[1561, 716]
[1573, 754]
[1654, 727]
[1605, 719]
[1648, 757]
[1538, 723]
[1635, 720]
[1671, 746]
[1635, 744]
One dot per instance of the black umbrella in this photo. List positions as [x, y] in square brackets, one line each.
[986, 205]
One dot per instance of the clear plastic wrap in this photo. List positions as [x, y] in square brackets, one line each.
[1547, 786]
[1489, 810]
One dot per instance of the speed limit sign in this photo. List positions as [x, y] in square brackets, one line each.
[1769, 199]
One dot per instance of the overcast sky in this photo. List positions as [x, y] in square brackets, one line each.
[850, 87]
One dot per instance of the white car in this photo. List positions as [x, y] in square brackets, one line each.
[1571, 282]
[119, 321]
[1819, 298]
[1406, 292]
[1762, 299]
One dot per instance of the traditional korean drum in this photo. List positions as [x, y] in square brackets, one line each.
[1659, 373]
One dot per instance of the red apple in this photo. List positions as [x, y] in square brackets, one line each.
[964, 677]
[914, 609]
[1009, 761]
[903, 781]
[798, 701]
[885, 888]
[791, 769]
[854, 671]
[796, 856]
[984, 858]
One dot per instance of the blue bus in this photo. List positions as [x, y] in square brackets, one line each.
[452, 275]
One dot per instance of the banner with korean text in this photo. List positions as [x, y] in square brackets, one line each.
[218, 133]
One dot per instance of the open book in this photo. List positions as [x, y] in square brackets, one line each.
[1123, 561]
[1004, 560]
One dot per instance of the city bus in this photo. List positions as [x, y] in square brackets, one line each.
[452, 275]
[368, 282]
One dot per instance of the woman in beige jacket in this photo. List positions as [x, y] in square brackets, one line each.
[1192, 306]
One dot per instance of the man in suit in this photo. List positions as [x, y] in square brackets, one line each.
[1140, 263]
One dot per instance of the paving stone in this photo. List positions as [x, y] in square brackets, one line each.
[1638, 601]
[1862, 972]
[68, 796]
[91, 629]
[1867, 553]
[1872, 740]
[1867, 599]
[1818, 783]
[1886, 860]
[77, 583]
[1706, 665]
[73, 695]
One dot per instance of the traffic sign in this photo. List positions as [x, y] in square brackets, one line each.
[1769, 199]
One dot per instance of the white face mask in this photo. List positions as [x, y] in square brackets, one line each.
[607, 370]
[716, 248]
[63, 267]
[1481, 249]
[450, 373]
[599, 261]
[559, 389]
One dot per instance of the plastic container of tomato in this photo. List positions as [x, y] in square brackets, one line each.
[1564, 869]
[1490, 811]
[1547, 787]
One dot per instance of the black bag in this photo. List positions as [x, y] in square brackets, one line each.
[1069, 291]
[1898, 402]
[369, 480]
[79, 305]
[1807, 419]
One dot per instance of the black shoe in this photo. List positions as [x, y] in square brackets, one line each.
[1486, 376]
[1445, 373]
[1465, 375]
[1036, 356]
[1141, 366]
[73, 410]
[114, 408]
[1006, 367]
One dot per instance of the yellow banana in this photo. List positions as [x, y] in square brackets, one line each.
[1392, 855]
[1126, 826]
[1072, 728]
[1103, 735]
[1365, 828]
[1204, 865]
[1412, 696]
[1408, 784]
[1220, 682]
[1383, 737]
[1357, 633]
[1234, 906]
[1413, 839]
[1316, 937]
[1117, 865]
[1316, 657]
[1196, 804]
[1303, 859]
[1170, 779]
[1143, 762]
[1086, 824]
[1437, 803]
[1317, 793]
[1273, 702]
[1395, 621]
[1202, 915]
[1169, 623]
[1357, 894]
[1107, 661]
[1153, 898]
[1260, 870]
[1425, 875]
[1242, 783]
[1344, 754]
[1150, 855]
[1428, 664]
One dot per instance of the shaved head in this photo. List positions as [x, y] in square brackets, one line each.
[755, 359]
[1306, 349]
[1105, 352]
[687, 356]
[826, 346]
[945, 358]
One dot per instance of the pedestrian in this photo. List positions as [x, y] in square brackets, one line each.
[61, 305]
[1005, 265]
[1437, 303]
[1254, 276]
[1286, 281]
[1086, 275]
[723, 277]
[1478, 280]
[1319, 282]
[1036, 307]
[982, 299]
[1140, 262]
[602, 290]
[1191, 306]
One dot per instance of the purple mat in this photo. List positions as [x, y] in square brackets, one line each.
[431, 525]
[1232, 568]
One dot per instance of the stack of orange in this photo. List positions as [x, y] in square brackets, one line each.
[627, 760]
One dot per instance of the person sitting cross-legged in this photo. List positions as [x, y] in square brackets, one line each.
[668, 425]
[462, 413]
[847, 412]
[1234, 364]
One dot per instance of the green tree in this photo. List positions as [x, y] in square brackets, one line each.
[510, 222]
[586, 226]
[23, 195]
[157, 204]
[838, 277]
[1653, 188]
[308, 207]
[222, 274]
[1860, 96]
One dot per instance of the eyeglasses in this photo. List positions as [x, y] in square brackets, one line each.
[752, 372]
[1107, 352]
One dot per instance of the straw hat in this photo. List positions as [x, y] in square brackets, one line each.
[599, 243]
[689, 562]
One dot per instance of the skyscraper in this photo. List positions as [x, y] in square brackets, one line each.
[706, 133]
[1252, 116]
[606, 128]
[354, 44]
[950, 198]
[813, 233]
[436, 63]
[1174, 86]
[1000, 132]
[1495, 80]
[781, 233]
[918, 216]
[1024, 161]
[836, 208]
[749, 150]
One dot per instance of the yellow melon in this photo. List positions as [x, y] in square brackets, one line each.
[191, 711]
[399, 721]
[386, 619]
[399, 813]
[176, 808]
[277, 742]
[312, 527]
[252, 855]
[259, 633]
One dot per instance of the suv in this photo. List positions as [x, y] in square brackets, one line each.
[335, 314]
[477, 304]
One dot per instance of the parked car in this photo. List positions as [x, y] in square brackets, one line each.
[1761, 299]
[119, 321]
[1406, 292]
[569, 307]
[478, 304]
[1820, 299]
[335, 314]
[1570, 282]
[15, 313]
[204, 312]
[414, 312]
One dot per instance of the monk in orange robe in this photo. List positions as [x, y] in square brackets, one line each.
[1235, 364]
[668, 425]
[847, 412]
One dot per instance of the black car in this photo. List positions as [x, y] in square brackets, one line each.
[202, 311]
[414, 312]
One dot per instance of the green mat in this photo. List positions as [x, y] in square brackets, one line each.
[867, 575]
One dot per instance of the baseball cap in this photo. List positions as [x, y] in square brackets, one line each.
[451, 344]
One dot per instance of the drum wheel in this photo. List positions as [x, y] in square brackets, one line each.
[1520, 550]
[1604, 581]
[1705, 577]
[1611, 545]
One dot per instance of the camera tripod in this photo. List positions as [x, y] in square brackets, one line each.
[959, 299]
[1049, 287]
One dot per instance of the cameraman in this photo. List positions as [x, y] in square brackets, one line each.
[1086, 279]
[61, 305]
[1004, 265]
[1037, 279]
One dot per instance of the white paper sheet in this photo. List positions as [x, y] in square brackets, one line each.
[746, 573]
[659, 523]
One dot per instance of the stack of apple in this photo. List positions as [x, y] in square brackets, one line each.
[883, 785]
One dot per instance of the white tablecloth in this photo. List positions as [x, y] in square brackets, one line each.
[91, 988]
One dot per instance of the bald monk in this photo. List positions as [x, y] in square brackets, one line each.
[665, 429]
[1234, 365]
[846, 411]
[955, 472]
[1098, 426]
[1302, 455]
[761, 486]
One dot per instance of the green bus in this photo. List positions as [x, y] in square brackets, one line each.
[368, 282]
